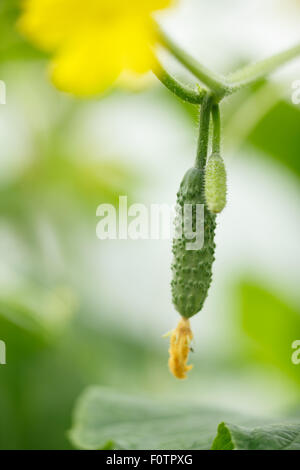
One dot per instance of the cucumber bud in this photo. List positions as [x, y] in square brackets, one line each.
[215, 183]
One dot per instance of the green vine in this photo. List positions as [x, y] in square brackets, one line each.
[218, 85]
[182, 91]
[215, 83]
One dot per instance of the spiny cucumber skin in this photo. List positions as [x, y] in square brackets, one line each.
[192, 269]
[215, 183]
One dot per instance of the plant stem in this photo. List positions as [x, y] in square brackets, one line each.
[214, 82]
[219, 85]
[183, 92]
[204, 132]
[254, 72]
[216, 145]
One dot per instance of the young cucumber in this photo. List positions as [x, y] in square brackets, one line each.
[215, 183]
[192, 269]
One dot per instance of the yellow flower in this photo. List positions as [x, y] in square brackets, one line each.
[93, 41]
[179, 350]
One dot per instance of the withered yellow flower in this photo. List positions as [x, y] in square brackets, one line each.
[92, 41]
[179, 350]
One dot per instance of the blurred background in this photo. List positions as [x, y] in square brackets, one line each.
[76, 311]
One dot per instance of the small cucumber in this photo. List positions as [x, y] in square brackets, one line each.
[215, 183]
[192, 269]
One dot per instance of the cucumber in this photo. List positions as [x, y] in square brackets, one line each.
[215, 183]
[192, 269]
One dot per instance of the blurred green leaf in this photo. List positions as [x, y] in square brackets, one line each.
[12, 45]
[261, 118]
[107, 419]
[272, 324]
[62, 191]
[277, 134]
[38, 311]
[45, 372]
[271, 437]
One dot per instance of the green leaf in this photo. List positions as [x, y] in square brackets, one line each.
[270, 437]
[277, 135]
[107, 419]
[259, 117]
[39, 311]
[13, 46]
[223, 440]
[272, 324]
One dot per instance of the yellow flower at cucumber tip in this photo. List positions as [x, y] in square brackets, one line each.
[180, 340]
[93, 42]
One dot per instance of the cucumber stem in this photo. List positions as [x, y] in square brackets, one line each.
[216, 83]
[220, 85]
[185, 93]
[203, 132]
[216, 144]
[252, 73]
